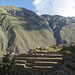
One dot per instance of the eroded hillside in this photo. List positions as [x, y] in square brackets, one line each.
[63, 28]
[21, 29]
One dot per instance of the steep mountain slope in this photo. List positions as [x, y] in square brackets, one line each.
[21, 29]
[63, 28]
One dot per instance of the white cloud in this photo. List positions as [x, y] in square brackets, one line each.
[55, 7]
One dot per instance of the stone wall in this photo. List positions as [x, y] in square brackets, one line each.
[39, 63]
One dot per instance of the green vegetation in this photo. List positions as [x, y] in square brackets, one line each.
[5, 65]
[70, 49]
[64, 48]
[50, 49]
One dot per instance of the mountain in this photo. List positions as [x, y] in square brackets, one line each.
[63, 28]
[22, 29]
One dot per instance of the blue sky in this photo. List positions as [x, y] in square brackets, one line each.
[19, 3]
[51, 7]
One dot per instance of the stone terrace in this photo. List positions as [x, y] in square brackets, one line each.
[39, 63]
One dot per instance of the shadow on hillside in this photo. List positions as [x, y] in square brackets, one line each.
[59, 25]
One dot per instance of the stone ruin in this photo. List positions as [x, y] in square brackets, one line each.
[39, 63]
